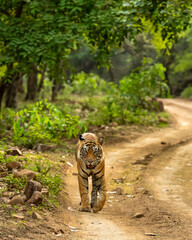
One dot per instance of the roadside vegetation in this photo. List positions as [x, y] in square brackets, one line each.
[87, 102]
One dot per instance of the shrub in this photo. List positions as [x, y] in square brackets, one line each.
[6, 120]
[49, 176]
[131, 101]
[143, 84]
[15, 183]
[88, 84]
[187, 93]
[43, 122]
[52, 182]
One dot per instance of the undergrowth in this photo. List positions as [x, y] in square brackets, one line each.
[187, 93]
[130, 102]
[47, 173]
[87, 101]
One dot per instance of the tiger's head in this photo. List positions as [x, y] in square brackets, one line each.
[91, 151]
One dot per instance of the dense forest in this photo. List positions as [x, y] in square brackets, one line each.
[69, 66]
[41, 40]
[53, 47]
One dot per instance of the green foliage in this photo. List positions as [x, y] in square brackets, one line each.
[43, 122]
[6, 120]
[1, 157]
[184, 56]
[143, 83]
[156, 37]
[51, 29]
[3, 69]
[179, 64]
[132, 100]
[184, 63]
[98, 102]
[47, 174]
[43, 167]
[89, 84]
[7, 159]
[16, 183]
[170, 16]
[52, 182]
[187, 93]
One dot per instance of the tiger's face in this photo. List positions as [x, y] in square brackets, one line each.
[90, 151]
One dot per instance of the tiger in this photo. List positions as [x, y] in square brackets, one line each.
[90, 159]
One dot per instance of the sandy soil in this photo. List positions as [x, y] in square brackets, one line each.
[149, 179]
[154, 173]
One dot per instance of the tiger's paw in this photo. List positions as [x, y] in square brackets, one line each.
[84, 209]
[96, 209]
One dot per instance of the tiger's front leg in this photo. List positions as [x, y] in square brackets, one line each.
[83, 189]
[94, 192]
[100, 186]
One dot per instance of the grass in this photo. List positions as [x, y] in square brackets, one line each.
[48, 174]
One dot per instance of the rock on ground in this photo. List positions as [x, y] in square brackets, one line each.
[37, 216]
[36, 198]
[13, 165]
[119, 191]
[16, 200]
[14, 151]
[25, 173]
[43, 147]
[31, 187]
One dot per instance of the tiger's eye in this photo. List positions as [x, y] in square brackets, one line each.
[85, 149]
[95, 148]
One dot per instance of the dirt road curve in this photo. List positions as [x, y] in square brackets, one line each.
[155, 174]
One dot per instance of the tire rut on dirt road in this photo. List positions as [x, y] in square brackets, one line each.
[174, 174]
[173, 183]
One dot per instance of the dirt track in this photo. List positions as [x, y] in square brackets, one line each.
[152, 171]
[155, 174]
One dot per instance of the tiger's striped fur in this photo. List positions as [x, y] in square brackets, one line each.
[91, 162]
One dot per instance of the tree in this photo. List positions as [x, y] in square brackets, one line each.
[180, 68]
[38, 31]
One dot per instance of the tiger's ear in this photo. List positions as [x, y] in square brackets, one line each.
[101, 139]
[81, 137]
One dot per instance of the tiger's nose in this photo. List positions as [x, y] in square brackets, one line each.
[90, 160]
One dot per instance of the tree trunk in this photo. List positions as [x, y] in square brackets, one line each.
[55, 89]
[111, 75]
[32, 84]
[11, 88]
[11, 93]
[3, 87]
[20, 87]
[4, 83]
[42, 78]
